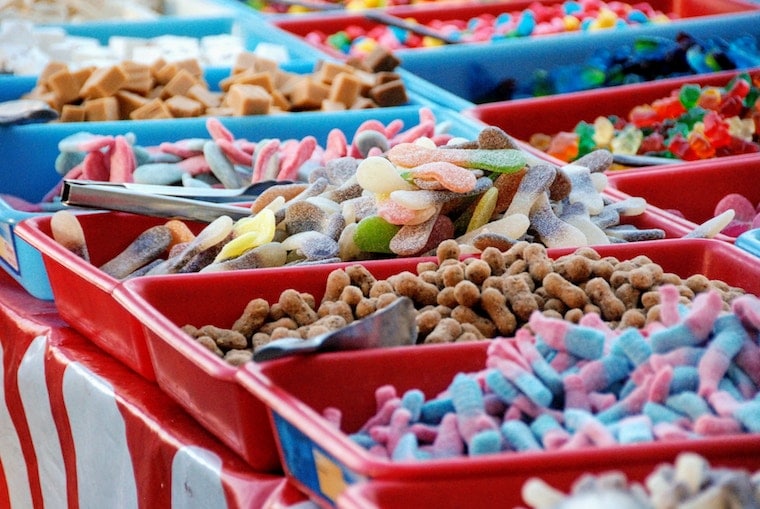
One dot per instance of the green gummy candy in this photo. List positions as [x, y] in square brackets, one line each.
[373, 235]
[506, 160]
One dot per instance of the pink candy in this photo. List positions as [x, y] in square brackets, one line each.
[747, 215]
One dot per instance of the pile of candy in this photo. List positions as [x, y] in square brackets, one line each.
[256, 85]
[649, 58]
[564, 386]
[221, 160]
[538, 19]
[687, 483]
[693, 122]
[382, 196]
[26, 48]
[461, 300]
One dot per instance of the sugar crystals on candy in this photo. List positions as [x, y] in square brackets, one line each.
[635, 416]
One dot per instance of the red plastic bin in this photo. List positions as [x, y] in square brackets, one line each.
[693, 190]
[83, 293]
[323, 461]
[483, 491]
[198, 380]
[332, 23]
[550, 115]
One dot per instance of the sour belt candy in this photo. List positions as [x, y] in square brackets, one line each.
[627, 399]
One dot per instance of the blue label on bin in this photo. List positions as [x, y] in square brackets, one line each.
[310, 464]
[8, 247]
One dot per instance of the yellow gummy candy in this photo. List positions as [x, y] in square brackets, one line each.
[248, 233]
[484, 209]
[263, 222]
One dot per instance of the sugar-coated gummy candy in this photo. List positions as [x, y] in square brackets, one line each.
[632, 392]
[718, 122]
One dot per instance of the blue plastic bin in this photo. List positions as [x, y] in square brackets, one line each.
[750, 241]
[474, 72]
[28, 155]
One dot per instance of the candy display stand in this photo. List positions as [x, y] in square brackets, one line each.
[107, 400]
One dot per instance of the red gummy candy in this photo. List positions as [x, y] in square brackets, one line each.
[716, 130]
[731, 106]
[743, 208]
[700, 147]
[644, 116]
[735, 228]
[669, 107]
[564, 146]
[654, 142]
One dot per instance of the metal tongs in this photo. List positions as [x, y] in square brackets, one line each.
[199, 204]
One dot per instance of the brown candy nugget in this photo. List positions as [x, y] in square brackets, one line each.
[248, 100]
[575, 268]
[427, 320]
[494, 303]
[103, 82]
[365, 307]
[72, 113]
[466, 315]
[476, 270]
[180, 84]
[101, 109]
[181, 106]
[238, 357]
[345, 89]
[559, 287]
[380, 59]
[308, 94]
[392, 93]
[337, 280]
[520, 297]
[153, 109]
[225, 339]
[446, 331]
[467, 293]
[253, 317]
[361, 277]
[338, 308]
[351, 295]
[294, 305]
[602, 295]
[409, 285]
[64, 85]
